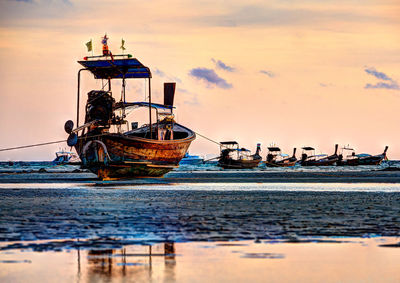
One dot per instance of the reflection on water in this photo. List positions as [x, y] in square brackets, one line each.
[308, 260]
[105, 265]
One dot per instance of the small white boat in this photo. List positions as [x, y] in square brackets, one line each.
[191, 160]
[65, 157]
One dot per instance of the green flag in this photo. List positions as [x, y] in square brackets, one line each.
[89, 46]
[123, 45]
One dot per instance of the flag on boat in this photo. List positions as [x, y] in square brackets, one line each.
[123, 45]
[89, 46]
[104, 40]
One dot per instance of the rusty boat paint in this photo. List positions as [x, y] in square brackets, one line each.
[239, 164]
[125, 156]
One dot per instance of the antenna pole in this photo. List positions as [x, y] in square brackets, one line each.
[77, 103]
[151, 128]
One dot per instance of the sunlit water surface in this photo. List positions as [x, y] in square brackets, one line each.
[318, 260]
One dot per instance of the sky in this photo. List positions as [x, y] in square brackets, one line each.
[286, 72]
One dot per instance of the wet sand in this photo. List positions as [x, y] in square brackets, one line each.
[160, 213]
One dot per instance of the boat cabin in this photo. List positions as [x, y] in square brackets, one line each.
[231, 150]
[103, 112]
[275, 155]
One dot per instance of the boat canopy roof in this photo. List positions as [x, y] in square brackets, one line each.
[119, 105]
[308, 148]
[228, 142]
[321, 155]
[117, 69]
[363, 155]
[274, 148]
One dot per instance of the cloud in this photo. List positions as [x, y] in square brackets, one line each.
[392, 85]
[268, 73]
[26, 1]
[190, 98]
[223, 66]
[267, 15]
[325, 85]
[210, 77]
[389, 84]
[379, 75]
[159, 73]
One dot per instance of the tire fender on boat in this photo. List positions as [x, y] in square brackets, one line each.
[86, 147]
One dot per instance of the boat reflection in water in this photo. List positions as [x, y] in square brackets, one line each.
[135, 264]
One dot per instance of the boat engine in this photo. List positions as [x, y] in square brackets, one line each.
[99, 107]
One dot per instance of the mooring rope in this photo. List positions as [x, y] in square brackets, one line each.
[207, 138]
[44, 143]
[54, 142]
[31, 145]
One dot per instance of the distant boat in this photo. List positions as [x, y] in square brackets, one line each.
[276, 158]
[65, 157]
[191, 160]
[234, 157]
[362, 159]
[318, 160]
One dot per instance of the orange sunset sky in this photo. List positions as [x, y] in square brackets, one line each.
[291, 72]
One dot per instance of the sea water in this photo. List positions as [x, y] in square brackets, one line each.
[88, 230]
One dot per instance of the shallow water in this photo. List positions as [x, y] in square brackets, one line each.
[198, 212]
[73, 228]
[316, 260]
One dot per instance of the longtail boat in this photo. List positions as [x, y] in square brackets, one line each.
[234, 157]
[275, 158]
[364, 159]
[347, 157]
[107, 143]
[318, 160]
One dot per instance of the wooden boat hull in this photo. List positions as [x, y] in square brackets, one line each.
[239, 164]
[281, 164]
[371, 160]
[124, 156]
[325, 162]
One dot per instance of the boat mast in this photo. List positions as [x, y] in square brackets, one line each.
[151, 128]
[77, 104]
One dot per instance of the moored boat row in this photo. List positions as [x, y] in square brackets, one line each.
[234, 157]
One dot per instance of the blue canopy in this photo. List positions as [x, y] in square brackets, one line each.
[142, 104]
[117, 69]
[363, 155]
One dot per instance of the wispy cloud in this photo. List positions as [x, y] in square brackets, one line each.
[388, 84]
[264, 14]
[379, 75]
[392, 85]
[68, 2]
[160, 73]
[221, 65]
[210, 77]
[268, 73]
[325, 85]
[190, 97]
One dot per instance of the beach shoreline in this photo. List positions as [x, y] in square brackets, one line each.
[228, 176]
